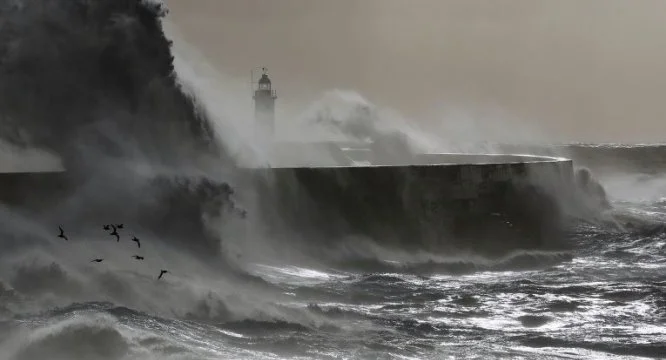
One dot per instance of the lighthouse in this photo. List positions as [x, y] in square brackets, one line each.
[264, 106]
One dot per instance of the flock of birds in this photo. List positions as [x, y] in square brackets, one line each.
[117, 235]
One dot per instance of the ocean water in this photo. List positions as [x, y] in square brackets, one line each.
[605, 299]
[108, 102]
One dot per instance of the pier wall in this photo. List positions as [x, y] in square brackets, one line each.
[604, 159]
[491, 203]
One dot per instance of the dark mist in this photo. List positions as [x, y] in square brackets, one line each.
[94, 82]
[80, 74]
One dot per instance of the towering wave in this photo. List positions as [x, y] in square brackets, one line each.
[80, 74]
[94, 83]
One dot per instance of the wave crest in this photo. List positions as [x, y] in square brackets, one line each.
[86, 337]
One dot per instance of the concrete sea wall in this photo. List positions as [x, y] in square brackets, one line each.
[604, 159]
[489, 203]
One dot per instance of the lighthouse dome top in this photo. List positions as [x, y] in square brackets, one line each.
[264, 79]
[264, 82]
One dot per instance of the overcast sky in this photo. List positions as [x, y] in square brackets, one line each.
[579, 70]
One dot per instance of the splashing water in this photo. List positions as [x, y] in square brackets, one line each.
[153, 142]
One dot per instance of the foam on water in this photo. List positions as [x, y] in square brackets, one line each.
[151, 146]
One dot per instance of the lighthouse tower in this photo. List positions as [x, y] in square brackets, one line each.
[264, 106]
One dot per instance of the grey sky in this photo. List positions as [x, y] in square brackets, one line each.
[588, 70]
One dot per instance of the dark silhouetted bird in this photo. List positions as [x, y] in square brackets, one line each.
[136, 240]
[162, 274]
[115, 233]
[97, 260]
[62, 233]
[107, 227]
[137, 257]
[120, 226]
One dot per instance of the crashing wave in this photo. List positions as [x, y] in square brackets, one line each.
[94, 82]
[83, 74]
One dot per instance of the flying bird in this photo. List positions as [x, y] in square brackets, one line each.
[137, 257]
[115, 233]
[162, 274]
[136, 240]
[97, 260]
[107, 227]
[120, 226]
[62, 233]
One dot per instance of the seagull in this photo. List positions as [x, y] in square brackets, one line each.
[161, 274]
[136, 240]
[115, 233]
[137, 257]
[97, 260]
[62, 233]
